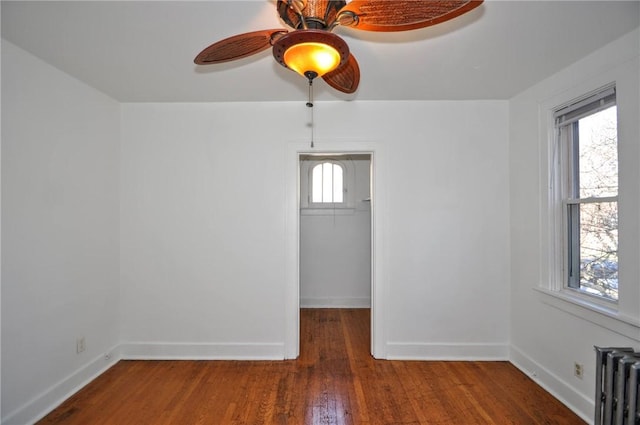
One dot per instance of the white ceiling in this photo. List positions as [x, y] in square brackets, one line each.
[142, 51]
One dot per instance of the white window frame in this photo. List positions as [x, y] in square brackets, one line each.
[343, 189]
[306, 185]
[554, 238]
[566, 194]
[622, 318]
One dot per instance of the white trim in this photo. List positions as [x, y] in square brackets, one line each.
[590, 200]
[593, 311]
[292, 254]
[200, 351]
[551, 265]
[306, 188]
[448, 351]
[292, 228]
[327, 211]
[596, 101]
[44, 403]
[348, 183]
[355, 302]
[581, 404]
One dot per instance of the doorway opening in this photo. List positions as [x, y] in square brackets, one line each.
[335, 231]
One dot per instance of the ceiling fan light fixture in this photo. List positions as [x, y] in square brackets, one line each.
[314, 58]
[311, 53]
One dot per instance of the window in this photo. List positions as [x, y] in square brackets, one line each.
[587, 191]
[327, 183]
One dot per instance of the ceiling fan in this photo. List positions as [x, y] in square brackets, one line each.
[313, 50]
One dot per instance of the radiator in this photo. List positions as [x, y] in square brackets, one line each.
[617, 386]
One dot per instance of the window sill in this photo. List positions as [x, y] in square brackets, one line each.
[327, 211]
[592, 312]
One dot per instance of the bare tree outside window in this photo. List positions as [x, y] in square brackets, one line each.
[597, 211]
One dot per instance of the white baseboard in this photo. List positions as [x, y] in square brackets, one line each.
[308, 302]
[580, 404]
[51, 398]
[179, 351]
[466, 352]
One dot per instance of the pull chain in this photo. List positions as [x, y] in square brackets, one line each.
[310, 105]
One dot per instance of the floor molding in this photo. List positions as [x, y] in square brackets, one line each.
[180, 351]
[579, 403]
[458, 351]
[40, 406]
[327, 302]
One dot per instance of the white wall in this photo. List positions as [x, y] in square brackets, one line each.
[547, 333]
[335, 246]
[59, 233]
[202, 223]
[447, 246]
[203, 229]
[196, 233]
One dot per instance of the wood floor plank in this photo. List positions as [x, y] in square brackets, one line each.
[335, 381]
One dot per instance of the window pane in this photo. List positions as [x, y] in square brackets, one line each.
[598, 162]
[599, 249]
[327, 182]
[327, 185]
[316, 190]
[337, 184]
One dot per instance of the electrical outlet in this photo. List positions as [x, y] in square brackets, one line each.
[578, 370]
[81, 345]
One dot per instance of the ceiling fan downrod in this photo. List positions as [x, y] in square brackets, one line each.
[297, 6]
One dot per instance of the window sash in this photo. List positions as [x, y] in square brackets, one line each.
[327, 186]
[568, 144]
[573, 229]
[592, 200]
[585, 106]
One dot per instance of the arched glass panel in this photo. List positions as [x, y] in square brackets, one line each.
[327, 183]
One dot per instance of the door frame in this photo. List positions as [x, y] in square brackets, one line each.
[292, 226]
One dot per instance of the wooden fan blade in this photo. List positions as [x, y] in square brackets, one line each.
[346, 78]
[387, 16]
[238, 46]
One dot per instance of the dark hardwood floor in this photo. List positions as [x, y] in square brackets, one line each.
[334, 381]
